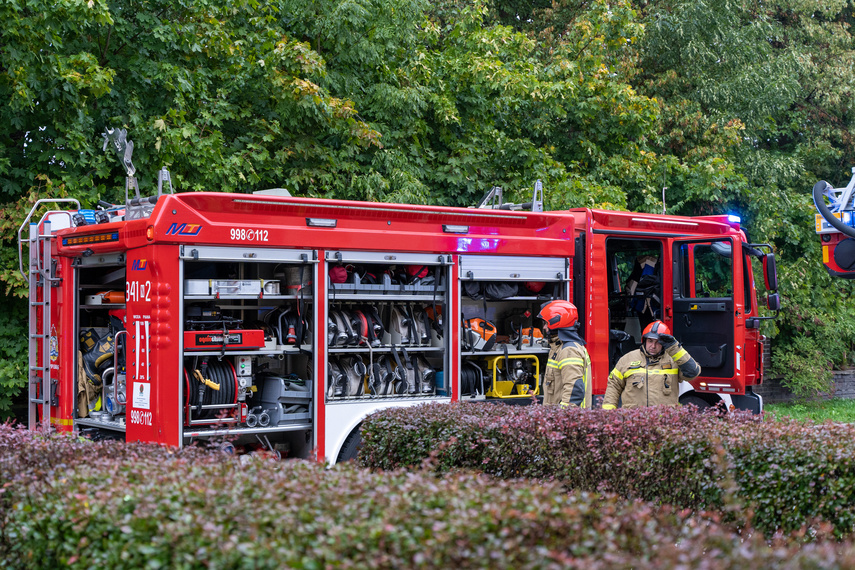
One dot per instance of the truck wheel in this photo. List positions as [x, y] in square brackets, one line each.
[351, 446]
[697, 401]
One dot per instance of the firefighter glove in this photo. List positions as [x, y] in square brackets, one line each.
[667, 340]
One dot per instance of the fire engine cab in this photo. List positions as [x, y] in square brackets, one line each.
[265, 320]
[693, 273]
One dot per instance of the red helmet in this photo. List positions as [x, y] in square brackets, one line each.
[559, 314]
[654, 329]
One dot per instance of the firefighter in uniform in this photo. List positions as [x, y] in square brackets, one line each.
[567, 381]
[650, 376]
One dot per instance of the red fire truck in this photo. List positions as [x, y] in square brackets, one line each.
[281, 322]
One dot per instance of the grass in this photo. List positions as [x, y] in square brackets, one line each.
[836, 410]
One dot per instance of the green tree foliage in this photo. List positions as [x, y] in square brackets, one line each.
[219, 91]
[464, 103]
[13, 346]
[756, 96]
[601, 132]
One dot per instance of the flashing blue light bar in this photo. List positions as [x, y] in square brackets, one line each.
[733, 219]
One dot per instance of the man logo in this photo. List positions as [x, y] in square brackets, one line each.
[139, 265]
[184, 229]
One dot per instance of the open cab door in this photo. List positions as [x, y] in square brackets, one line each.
[706, 310]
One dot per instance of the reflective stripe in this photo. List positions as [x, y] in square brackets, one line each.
[586, 375]
[680, 354]
[609, 407]
[665, 371]
[562, 363]
[616, 373]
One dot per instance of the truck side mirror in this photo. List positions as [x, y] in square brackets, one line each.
[773, 302]
[770, 272]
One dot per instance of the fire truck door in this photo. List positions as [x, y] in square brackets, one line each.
[703, 303]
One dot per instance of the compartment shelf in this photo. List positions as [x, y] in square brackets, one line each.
[280, 349]
[383, 349]
[299, 426]
[111, 425]
[306, 299]
[516, 298]
[391, 296]
[388, 287]
[395, 397]
[511, 351]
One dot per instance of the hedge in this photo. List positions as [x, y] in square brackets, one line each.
[67, 503]
[776, 477]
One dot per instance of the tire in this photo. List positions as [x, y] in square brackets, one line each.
[350, 448]
[699, 402]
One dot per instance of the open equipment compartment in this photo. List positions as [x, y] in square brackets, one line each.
[384, 327]
[248, 343]
[101, 394]
[500, 297]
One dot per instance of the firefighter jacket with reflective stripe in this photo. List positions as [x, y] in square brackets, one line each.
[639, 379]
[567, 380]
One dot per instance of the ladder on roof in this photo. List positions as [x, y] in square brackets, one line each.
[40, 274]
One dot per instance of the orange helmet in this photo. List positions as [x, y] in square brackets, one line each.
[559, 314]
[654, 329]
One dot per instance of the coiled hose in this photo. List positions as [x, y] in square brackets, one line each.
[214, 382]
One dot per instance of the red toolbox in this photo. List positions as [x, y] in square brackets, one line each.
[219, 340]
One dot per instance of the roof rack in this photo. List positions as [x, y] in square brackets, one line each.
[492, 200]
